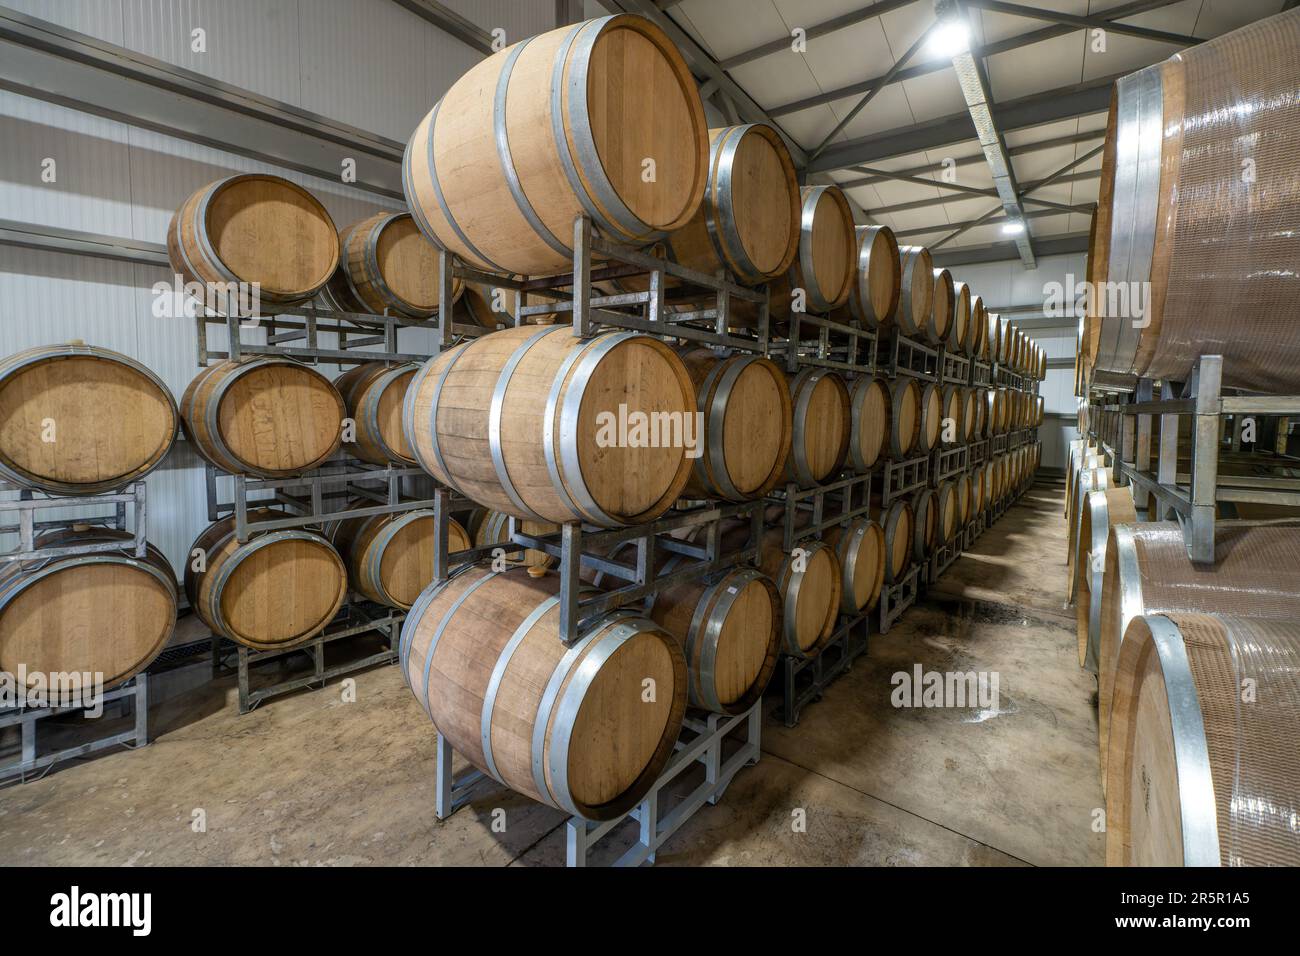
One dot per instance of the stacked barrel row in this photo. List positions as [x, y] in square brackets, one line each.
[1198, 760]
[613, 431]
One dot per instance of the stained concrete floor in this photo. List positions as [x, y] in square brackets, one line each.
[312, 779]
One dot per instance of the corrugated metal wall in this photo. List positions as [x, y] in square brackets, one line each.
[367, 63]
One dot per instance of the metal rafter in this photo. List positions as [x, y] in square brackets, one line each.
[894, 70]
[991, 49]
[1084, 22]
[1049, 106]
[451, 23]
[845, 20]
[915, 204]
[1002, 251]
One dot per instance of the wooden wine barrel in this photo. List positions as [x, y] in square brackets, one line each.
[387, 266]
[93, 617]
[270, 417]
[944, 307]
[822, 426]
[870, 422]
[904, 417]
[389, 558]
[748, 223]
[961, 336]
[477, 421]
[916, 302]
[254, 228]
[953, 400]
[969, 415]
[1196, 777]
[930, 427]
[925, 523]
[494, 528]
[979, 319]
[860, 549]
[826, 266]
[994, 336]
[1148, 572]
[730, 631]
[990, 484]
[76, 419]
[569, 727]
[554, 127]
[373, 393]
[747, 424]
[1195, 217]
[897, 523]
[278, 589]
[980, 414]
[878, 284]
[965, 501]
[810, 597]
[946, 509]
[1105, 508]
[977, 490]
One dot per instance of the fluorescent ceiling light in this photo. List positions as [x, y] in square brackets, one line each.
[950, 38]
[1013, 228]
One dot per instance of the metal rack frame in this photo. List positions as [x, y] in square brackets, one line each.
[898, 597]
[977, 452]
[1194, 502]
[710, 325]
[353, 619]
[899, 478]
[27, 504]
[942, 558]
[833, 338]
[948, 462]
[832, 504]
[981, 374]
[306, 495]
[30, 760]
[907, 356]
[711, 735]
[804, 680]
[954, 367]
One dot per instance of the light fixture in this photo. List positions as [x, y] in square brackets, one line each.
[1013, 227]
[951, 37]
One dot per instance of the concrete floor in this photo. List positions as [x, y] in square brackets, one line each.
[311, 779]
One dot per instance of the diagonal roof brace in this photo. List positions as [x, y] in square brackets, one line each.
[974, 89]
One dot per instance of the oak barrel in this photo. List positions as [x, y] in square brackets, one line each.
[897, 523]
[904, 416]
[270, 417]
[1195, 776]
[961, 335]
[76, 419]
[748, 223]
[557, 126]
[878, 282]
[822, 426]
[953, 425]
[389, 558]
[586, 729]
[859, 547]
[254, 228]
[747, 424]
[1199, 209]
[105, 615]
[826, 265]
[870, 427]
[277, 589]
[373, 393]
[916, 301]
[925, 523]
[943, 307]
[386, 265]
[930, 426]
[730, 632]
[542, 425]
[946, 511]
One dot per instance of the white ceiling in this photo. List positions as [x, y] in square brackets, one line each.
[725, 28]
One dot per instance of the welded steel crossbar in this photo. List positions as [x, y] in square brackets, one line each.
[26, 527]
[825, 505]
